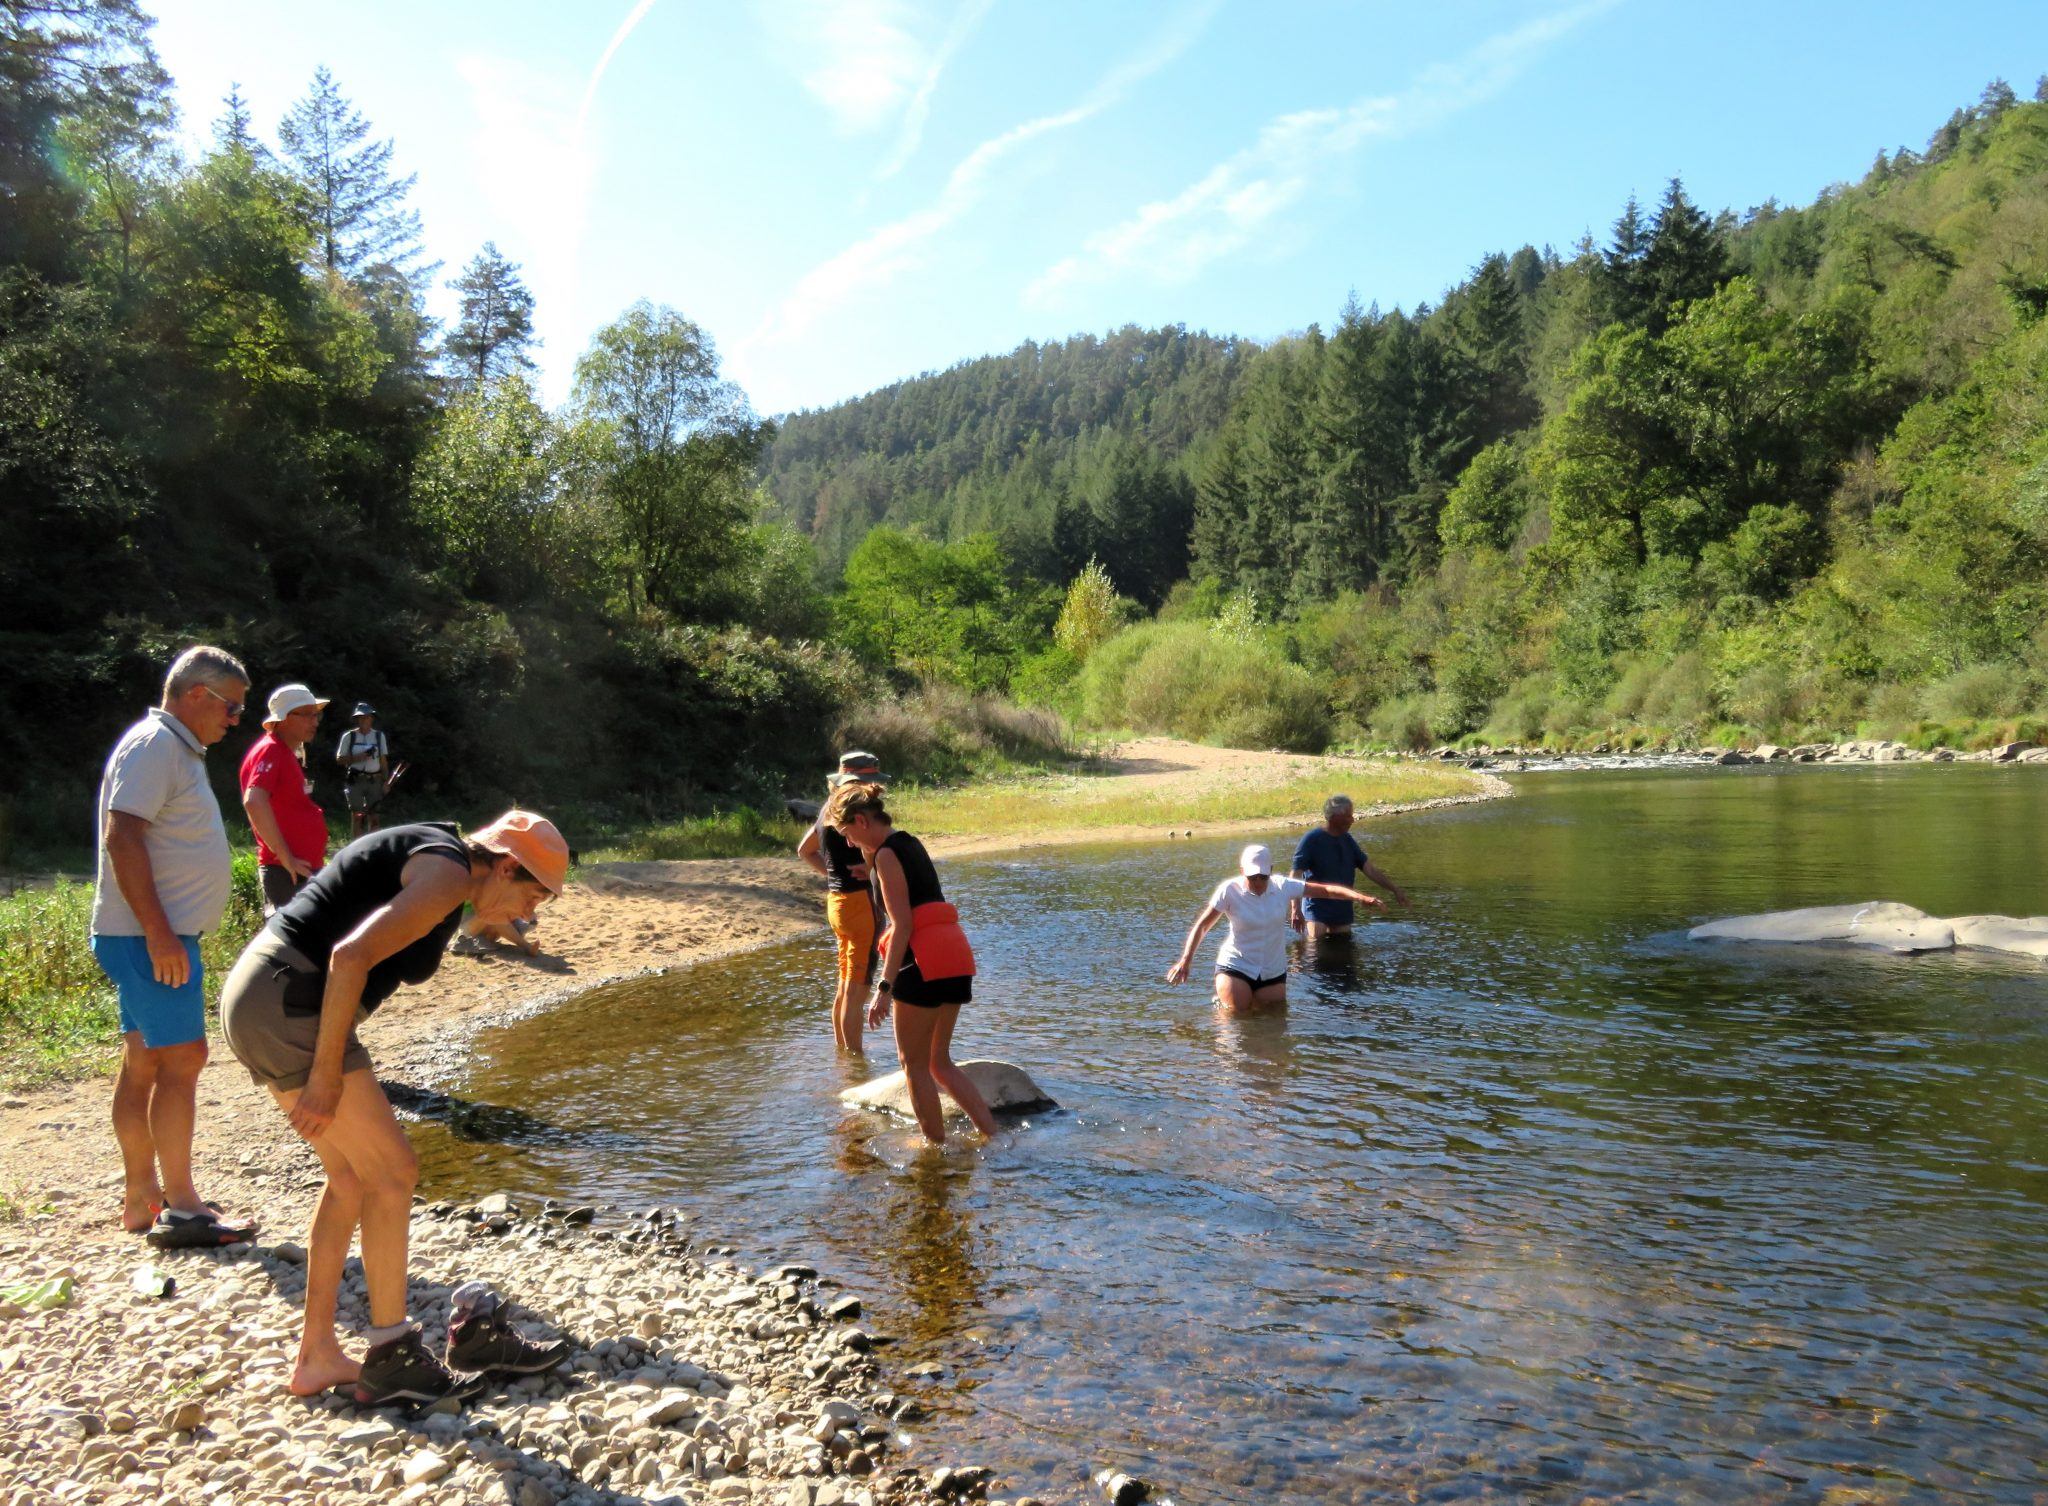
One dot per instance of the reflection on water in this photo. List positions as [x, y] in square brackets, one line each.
[1524, 1196]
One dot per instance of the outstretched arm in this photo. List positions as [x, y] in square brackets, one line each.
[1178, 973]
[1339, 891]
[1377, 877]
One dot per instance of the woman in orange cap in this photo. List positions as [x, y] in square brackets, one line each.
[927, 965]
[380, 914]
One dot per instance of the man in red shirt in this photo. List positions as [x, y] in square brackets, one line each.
[291, 831]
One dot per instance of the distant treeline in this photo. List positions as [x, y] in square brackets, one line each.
[1780, 472]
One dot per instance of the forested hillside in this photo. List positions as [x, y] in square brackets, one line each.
[1778, 471]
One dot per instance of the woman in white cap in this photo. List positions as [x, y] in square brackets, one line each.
[378, 916]
[1251, 965]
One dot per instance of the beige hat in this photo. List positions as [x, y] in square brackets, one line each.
[1255, 859]
[534, 841]
[289, 698]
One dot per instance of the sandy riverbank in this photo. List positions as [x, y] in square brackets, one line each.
[668, 1316]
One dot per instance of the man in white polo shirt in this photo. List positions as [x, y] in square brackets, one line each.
[163, 882]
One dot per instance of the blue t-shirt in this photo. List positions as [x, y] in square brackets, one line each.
[1328, 858]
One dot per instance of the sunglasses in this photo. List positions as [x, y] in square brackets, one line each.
[235, 708]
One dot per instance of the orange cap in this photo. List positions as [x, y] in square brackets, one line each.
[534, 841]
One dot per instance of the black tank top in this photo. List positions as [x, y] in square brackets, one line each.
[918, 873]
[361, 879]
[840, 855]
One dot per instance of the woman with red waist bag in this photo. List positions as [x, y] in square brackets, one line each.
[927, 964]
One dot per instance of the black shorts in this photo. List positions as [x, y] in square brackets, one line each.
[1256, 983]
[912, 987]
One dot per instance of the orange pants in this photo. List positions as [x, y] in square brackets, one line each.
[853, 921]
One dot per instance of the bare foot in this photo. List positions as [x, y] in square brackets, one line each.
[138, 1210]
[313, 1374]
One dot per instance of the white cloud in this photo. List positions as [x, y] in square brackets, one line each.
[860, 59]
[900, 246]
[1235, 203]
[911, 132]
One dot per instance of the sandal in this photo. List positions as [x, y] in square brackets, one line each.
[155, 1212]
[197, 1231]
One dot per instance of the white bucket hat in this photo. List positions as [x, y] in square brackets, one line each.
[289, 698]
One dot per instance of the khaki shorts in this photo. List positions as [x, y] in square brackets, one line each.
[273, 1041]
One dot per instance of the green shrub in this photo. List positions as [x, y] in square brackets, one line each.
[1402, 721]
[1519, 716]
[1979, 693]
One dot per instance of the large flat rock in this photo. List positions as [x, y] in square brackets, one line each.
[1879, 923]
[1007, 1088]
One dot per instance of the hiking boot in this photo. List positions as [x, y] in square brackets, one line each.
[484, 1342]
[401, 1370]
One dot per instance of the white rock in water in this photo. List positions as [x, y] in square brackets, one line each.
[1007, 1088]
[2001, 933]
[1880, 923]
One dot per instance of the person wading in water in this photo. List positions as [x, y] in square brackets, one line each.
[927, 965]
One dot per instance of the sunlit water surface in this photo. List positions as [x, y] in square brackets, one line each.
[1525, 1196]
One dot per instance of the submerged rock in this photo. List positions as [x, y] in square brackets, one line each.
[1881, 923]
[1008, 1089]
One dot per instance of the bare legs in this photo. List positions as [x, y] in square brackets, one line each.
[155, 1103]
[924, 1044]
[1237, 996]
[371, 1171]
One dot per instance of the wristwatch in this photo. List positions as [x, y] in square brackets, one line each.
[884, 986]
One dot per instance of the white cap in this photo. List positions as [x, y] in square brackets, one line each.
[1255, 859]
[289, 698]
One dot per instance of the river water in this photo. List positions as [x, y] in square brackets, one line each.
[1524, 1197]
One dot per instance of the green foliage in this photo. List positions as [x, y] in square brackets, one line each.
[947, 612]
[1091, 612]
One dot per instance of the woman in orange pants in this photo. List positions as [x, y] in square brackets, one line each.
[849, 906]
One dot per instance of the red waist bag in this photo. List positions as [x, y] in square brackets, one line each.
[938, 944]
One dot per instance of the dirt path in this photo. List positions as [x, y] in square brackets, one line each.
[617, 921]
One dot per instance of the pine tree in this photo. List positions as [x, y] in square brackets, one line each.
[1489, 332]
[232, 132]
[494, 329]
[1998, 97]
[358, 207]
[1685, 259]
[1621, 266]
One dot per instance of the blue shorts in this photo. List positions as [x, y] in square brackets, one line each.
[162, 1016]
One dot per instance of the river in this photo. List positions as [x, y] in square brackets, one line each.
[1524, 1197]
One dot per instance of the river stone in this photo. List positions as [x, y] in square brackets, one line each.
[2002, 933]
[1008, 1089]
[1880, 923]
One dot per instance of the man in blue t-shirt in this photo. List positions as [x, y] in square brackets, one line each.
[1329, 854]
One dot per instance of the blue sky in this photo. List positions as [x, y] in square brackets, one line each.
[845, 192]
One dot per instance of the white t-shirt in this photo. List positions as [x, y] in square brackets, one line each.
[363, 749]
[158, 771]
[1257, 944]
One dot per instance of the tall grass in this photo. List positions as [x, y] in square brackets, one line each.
[1189, 680]
[940, 734]
[58, 1015]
